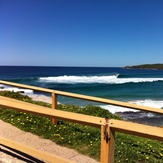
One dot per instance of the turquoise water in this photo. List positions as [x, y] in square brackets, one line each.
[144, 87]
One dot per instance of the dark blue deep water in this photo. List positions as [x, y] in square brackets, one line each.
[144, 87]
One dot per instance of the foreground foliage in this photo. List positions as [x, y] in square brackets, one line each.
[85, 139]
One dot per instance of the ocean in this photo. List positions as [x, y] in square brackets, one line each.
[138, 86]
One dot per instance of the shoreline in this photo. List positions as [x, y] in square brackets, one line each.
[41, 98]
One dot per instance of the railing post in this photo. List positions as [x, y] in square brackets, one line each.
[111, 146]
[104, 146]
[107, 144]
[54, 106]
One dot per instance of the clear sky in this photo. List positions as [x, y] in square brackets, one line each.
[102, 33]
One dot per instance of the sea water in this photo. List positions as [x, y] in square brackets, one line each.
[138, 86]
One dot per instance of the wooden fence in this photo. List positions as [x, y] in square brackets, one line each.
[108, 126]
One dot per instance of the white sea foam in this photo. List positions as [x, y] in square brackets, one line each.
[15, 89]
[147, 102]
[111, 79]
[115, 109]
[79, 79]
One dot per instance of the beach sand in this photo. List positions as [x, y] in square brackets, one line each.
[41, 98]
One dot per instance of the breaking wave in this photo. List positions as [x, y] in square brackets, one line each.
[110, 79]
[147, 102]
[15, 89]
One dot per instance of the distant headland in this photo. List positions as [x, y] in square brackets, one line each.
[157, 66]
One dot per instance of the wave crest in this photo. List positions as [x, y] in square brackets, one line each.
[110, 79]
[146, 102]
[15, 89]
[79, 79]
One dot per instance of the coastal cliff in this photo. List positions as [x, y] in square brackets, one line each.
[146, 66]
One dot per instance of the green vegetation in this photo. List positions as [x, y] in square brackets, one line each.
[147, 66]
[84, 139]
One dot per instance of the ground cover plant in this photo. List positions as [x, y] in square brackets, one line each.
[84, 139]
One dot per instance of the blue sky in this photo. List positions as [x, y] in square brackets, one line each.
[102, 33]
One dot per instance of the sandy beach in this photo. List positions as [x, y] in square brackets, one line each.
[43, 98]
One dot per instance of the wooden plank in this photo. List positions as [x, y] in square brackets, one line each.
[150, 132]
[90, 98]
[26, 86]
[111, 102]
[33, 152]
[54, 106]
[111, 145]
[51, 113]
[116, 125]
[104, 153]
[107, 144]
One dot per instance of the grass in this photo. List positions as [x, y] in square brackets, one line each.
[84, 139]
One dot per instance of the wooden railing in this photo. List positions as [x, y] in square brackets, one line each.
[41, 155]
[108, 126]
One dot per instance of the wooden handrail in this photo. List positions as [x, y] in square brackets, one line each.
[33, 152]
[51, 113]
[27, 86]
[90, 98]
[115, 125]
[111, 102]
[136, 129]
